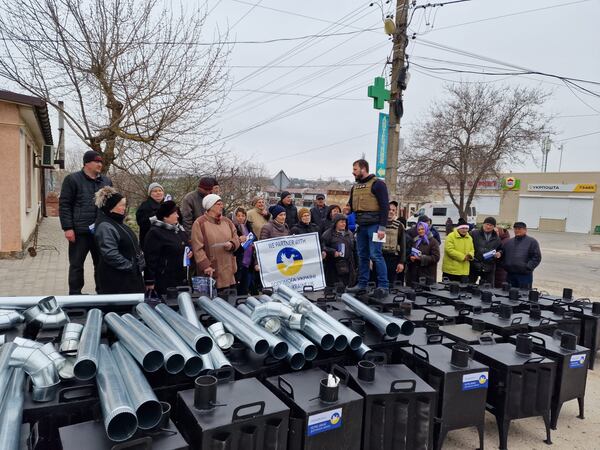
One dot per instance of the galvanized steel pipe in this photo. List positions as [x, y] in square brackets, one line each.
[5, 368]
[73, 301]
[250, 337]
[11, 411]
[187, 310]
[197, 338]
[86, 364]
[192, 362]
[292, 319]
[270, 323]
[120, 421]
[148, 409]
[8, 319]
[40, 368]
[383, 324]
[147, 355]
[173, 360]
[71, 336]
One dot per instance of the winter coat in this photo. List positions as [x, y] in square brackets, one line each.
[274, 229]
[77, 210]
[302, 228]
[340, 269]
[427, 265]
[327, 223]
[500, 276]
[191, 209]
[257, 220]
[291, 214]
[206, 232]
[146, 210]
[121, 259]
[239, 253]
[521, 255]
[482, 246]
[164, 252]
[318, 215]
[456, 248]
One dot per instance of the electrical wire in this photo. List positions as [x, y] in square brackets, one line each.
[579, 136]
[320, 147]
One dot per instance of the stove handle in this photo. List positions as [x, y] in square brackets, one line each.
[517, 320]
[285, 387]
[421, 353]
[538, 341]
[343, 374]
[259, 412]
[434, 339]
[534, 360]
[411, 388]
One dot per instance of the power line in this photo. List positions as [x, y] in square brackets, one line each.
[579, 136]
[298, 94]
[320, 147]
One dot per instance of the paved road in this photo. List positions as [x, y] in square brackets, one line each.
[567, 262]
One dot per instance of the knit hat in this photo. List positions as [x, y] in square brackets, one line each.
[519, 225]
[154, 186]
[207, 183]
[490, 220]
[166, 209]
[303, 211]
[107, 198]
[339, 217]
[462, 224]
[256, 199]
[209, 201]
[284, 194]
[90, 156]
[275, 210]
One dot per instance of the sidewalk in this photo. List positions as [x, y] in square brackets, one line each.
[46, 273]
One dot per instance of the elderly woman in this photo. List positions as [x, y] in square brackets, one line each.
[304, 225]
[277, 226]
[121, 259]
[337, 244]
[214, 241]
[327, 223]
[258, 216]
[423, 255]
[164, 248]
[148, 208]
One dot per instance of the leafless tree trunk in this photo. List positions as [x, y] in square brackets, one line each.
[473, 133]
[134, 74]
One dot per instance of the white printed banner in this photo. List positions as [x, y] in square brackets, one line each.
[291, 260]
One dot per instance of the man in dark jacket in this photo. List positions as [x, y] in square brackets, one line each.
[191, 205]
[319, 210]
[487, 251]
[369, 200]
[77, 213]
[291, 212]
[521, 256]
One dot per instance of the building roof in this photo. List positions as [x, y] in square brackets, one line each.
[38, 105]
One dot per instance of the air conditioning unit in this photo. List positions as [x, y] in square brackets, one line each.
[48, 156]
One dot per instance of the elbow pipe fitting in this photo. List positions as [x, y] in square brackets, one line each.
[8, 319]
[273, 309]
[71, 337]
[40, 368]
[223, 339]
[46, 314]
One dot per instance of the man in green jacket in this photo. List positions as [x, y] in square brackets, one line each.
[458, 252]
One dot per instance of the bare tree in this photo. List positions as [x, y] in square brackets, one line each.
[473, 133]
[134, 74]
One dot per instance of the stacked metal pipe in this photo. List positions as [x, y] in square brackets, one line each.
[386, 325]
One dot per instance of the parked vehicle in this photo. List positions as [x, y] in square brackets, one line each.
[439, 213]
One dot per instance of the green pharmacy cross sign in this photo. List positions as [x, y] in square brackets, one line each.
[379, 93]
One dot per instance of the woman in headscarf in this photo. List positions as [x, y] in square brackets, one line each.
[121, 258]
[148, 208]
[423, 256]
[337, 244]
[165, 249]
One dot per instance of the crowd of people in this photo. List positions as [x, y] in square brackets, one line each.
[364, 240]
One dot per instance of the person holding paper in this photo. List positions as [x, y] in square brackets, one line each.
[214, 241]
[166, 249]
[423, 257]
[337, 243]
[244, 255]
[369, 200]
[488, 250]
[458, 253]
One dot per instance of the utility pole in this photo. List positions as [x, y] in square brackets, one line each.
[561, 148]
[399, 39]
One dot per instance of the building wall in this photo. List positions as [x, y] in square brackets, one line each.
[10, 186]
[29, 209]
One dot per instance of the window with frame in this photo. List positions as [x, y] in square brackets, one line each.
[439, 211]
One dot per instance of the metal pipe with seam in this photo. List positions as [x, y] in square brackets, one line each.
[11, 410]
[197, 338]
[86, 364]
[73, 301]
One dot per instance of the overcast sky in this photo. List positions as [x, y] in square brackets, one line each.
[559, 37]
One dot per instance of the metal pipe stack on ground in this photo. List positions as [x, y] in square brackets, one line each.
[295, 356]
[386, 325]
[173, 360]
[148, 409]
[276, 346]
[218, 360]
[120, 420]
[196, 337]
[86, 364]
[192, 362]
[148, 356]
[11, 410]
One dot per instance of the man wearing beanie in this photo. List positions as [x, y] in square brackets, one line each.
[488, 249]
[291, 213]
[191, 205]
[77, 213]
[148, 209]
[521, 256]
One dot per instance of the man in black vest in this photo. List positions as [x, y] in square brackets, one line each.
[369, 200]
[77, 212]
